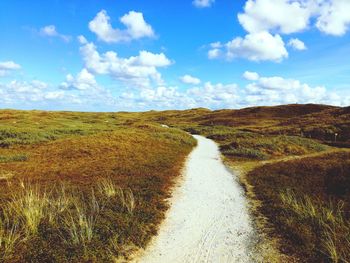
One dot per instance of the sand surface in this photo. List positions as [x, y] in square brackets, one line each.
[208, 220]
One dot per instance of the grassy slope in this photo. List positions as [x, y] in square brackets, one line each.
[76, 187]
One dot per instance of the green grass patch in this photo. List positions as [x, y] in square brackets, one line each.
[256, 146]
[247, 153]
[13, 158]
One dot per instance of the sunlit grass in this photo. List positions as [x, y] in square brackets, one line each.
[10, 235]
[329, 220]
[125, 196]
[73, 216]
[102, 178]
[29, 206]
[83, 186]
[306, 205]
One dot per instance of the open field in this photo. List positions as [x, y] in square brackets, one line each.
[93, 186]
[78, 187]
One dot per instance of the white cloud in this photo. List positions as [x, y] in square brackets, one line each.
[83, 81]
[266, 20]
[249, 75]
[203, 3]
[136, 27]
[291, 16]
[50, 31]
[256, 47]
[7, 67]
[278, 90]
[137, 71]
[149, 59]
[188, 79]
[274, 90]
[163, 97]
[284, 16]
[82, 40]
[214, 53]
[297, 44]
[216, 45]
[215, 96]
[22, 91]
[208, 95]
[334, 17]
[40, 95]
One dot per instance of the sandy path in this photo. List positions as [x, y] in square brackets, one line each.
[208, 220]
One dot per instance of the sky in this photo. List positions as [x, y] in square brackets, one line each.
[132, 55]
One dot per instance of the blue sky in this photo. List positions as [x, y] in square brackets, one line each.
[108, 55]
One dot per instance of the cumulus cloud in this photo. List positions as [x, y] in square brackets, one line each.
[265, 21]
[255, 47]
[83, 81]
[291, 16]
[23, 91]
[215, 50]
[6, 67]
[50, 31]
[138, 71]
[135, 27]
[149, 59]
[278, 90]
[188, 79]
[162, 97]
[260, 90]
[40, 95]
[83, 91]
[334, 17]
[283, 16]
[214, 53]
[203, 3]
[249, 75]
[215, 96]
[297, 44]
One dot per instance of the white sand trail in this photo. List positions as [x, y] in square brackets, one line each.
[208, 220]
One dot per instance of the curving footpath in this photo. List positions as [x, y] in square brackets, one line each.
[208, 220]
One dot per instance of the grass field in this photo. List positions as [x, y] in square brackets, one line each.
[92, 187]
[82, 187]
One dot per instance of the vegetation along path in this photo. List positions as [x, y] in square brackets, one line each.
[208, 220]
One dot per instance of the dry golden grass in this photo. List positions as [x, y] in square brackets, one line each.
[92, 188]
[126, 197]
[329, 219]
[305, 204]
[107, 176]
